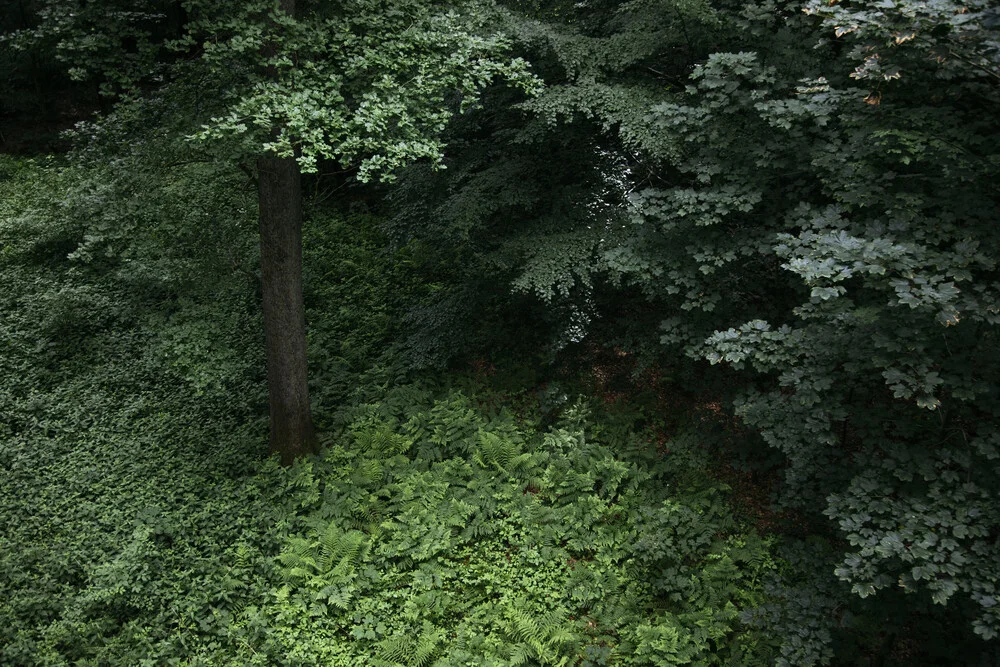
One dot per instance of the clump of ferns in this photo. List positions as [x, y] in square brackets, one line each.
[235, 581]
[368, 513]
[544, 639]
[325, 561]
[378, 440]
[378, 446]
[505, 456]
[406, 650]
[368, 472]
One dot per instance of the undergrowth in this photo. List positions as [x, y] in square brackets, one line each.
[446, 523]
[435, 533]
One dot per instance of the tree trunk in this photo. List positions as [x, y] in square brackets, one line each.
[280, 208]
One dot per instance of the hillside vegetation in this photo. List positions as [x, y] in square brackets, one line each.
[475, 332]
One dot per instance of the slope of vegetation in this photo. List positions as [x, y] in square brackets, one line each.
[668, 334]
[441, 525]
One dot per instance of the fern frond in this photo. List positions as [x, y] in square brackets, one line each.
[369, 471]
[520, 655]
[496, 452]
[426, 649]
[395, 649]
[298, 559]
[329, 543]
[526, 628]
[243, 557]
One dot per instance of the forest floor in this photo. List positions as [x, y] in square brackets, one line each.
[452, 517]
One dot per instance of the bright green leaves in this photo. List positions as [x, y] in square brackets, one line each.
[501, 454]
[411, 650]
[371, 86]
[505, 547]
[331, 557]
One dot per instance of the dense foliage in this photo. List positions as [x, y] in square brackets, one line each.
[772, 224]
[801, 193]
[440, 523]
[439, 535]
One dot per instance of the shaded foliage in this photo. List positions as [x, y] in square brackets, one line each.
[785, 209]
[145, 527]
[799, 191]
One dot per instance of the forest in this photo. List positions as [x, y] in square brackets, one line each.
[487, 333]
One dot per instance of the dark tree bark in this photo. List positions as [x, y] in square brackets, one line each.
[280, 207]
[279, 194]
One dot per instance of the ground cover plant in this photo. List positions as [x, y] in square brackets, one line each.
[724, 274]
[438, 534]
[441, 525]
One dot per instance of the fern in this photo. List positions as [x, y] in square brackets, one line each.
[549, 553]
[427, 647]
[543, 638]
[298, 559]
[502, 454]
[369, 472]
[405, 651]
[340, 548]
[393, 651]
[379, 440]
